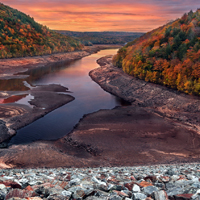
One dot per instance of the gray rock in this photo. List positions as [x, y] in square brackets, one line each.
[77, 192]
[66, 193]
[171, 172]
[136, 188]
[160, 195]
[101, 194]
[139, 196]
[190, 190]
[174, 191]
[101, 187]
[43, 191]
[174, 177]
[196, 185]
[114, 197]
[74, 182]
[150, 189]
[96, 198]
[57, 197]
[24, 182]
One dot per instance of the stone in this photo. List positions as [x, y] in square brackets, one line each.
[171, 172]
[129, 186]
[66, 193]
[174, 191]
[2, 186]
[101, 194]
[139, 196]
[120, 193]
[114, 197]
[10, 183]
[183, 196]
[164, 179]
[160, 195]
[152, 178]
[117, 187]
[57, 197]
[99, 182]
[136, 188]
[96, 198]
[174, 177]
[42, 191]
[74, 182]
[145, 184]
[150, 189]
[77, 192]
[20, 193]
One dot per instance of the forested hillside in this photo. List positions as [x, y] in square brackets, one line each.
[169, 55]
[21, 36]
[90, 38]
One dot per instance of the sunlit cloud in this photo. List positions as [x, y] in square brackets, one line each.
[104, 15]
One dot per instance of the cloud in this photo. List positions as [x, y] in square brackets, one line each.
[104, 15]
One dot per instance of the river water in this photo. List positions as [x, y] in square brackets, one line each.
[89, 98]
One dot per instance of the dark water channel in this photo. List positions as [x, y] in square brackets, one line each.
[89, 98]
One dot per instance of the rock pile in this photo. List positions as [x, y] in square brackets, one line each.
[179, 182]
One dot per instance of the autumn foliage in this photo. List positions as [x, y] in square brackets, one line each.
[169, 55]
[21, 36]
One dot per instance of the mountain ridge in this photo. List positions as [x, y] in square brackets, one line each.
[168, 55]
[21, 36]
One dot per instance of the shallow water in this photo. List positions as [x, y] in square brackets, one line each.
[89, 98]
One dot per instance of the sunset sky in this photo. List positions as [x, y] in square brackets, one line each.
[104, 15]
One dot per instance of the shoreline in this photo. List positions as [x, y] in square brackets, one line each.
[11, 66]
[165, 102]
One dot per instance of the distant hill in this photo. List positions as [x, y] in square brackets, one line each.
[21, 36]
[169, 55]
[90, 38]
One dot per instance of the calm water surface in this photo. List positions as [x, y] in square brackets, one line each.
[89, 98]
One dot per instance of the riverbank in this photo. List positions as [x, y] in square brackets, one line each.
[43, 100]
[9, 68]
[167, 103]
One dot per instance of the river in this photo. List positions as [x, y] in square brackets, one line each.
[89, 98]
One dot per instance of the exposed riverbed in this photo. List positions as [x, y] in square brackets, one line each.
[89, 97]
[160, 125]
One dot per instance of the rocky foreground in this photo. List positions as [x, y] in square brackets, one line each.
[179, 182]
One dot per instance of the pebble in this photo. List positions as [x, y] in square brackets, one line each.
[159, 182]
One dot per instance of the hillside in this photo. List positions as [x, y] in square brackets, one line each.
[89, 38]
[169, 55]
[21, 36]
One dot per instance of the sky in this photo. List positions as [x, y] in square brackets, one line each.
[104, 15]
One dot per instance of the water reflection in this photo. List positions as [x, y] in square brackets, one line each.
[89, 98]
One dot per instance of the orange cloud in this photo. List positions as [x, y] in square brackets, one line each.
[102, 15]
